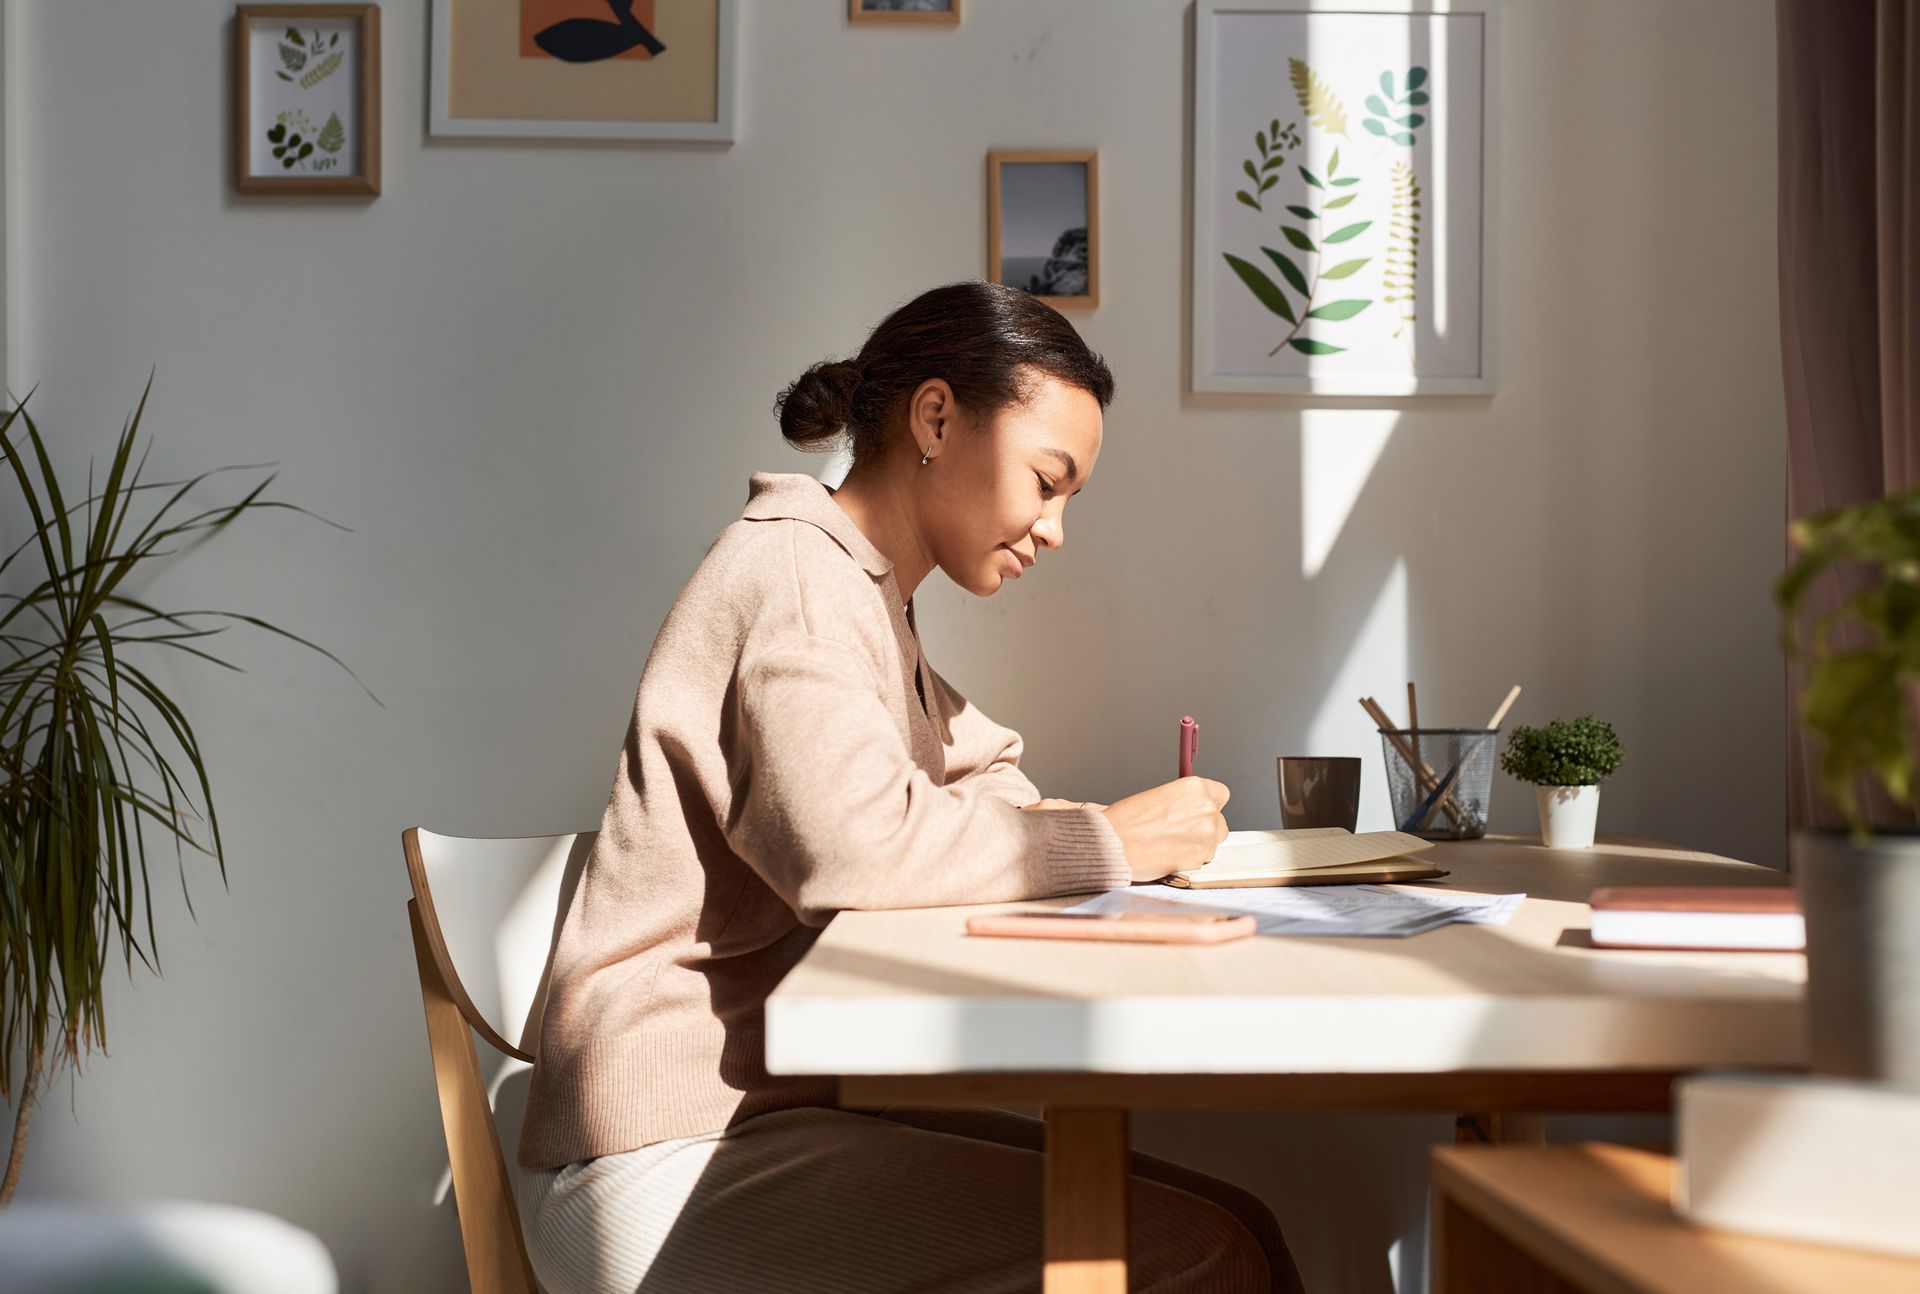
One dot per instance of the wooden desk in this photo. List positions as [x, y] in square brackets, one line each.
[1599, 1219]
[1507, 1020]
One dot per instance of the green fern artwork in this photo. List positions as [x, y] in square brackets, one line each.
[297, 51]
[1393, 118]
[1403, 248]
[1273, 144]
[1311, 240]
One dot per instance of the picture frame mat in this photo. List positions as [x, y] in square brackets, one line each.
[440, 120]
[1203, 250]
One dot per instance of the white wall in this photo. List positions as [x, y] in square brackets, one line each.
[533, 379]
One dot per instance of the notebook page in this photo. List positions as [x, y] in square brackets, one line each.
[1264, 852]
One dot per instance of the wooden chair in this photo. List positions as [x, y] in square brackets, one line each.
[484, 915]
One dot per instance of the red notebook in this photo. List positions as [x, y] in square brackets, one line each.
[1730, 918]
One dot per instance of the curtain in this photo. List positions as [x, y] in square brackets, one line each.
[1849, 127]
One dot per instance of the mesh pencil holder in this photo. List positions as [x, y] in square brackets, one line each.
[1441, 781]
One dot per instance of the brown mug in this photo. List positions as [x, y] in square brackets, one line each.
[1319, 791]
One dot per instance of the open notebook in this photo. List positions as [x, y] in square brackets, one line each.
[1312, 856]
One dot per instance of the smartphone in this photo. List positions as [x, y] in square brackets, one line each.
[1125, 927]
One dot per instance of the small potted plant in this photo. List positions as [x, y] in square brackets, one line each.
[1860, 885]
[1566, 761]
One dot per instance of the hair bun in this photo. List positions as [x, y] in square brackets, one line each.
[815, 409]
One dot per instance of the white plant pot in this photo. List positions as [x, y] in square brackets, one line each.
[1567, 815]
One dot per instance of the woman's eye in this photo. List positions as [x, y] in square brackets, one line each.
[1046, 486]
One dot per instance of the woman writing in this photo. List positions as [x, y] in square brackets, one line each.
[792, 754]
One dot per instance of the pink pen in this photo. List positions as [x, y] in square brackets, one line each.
[1189, 744]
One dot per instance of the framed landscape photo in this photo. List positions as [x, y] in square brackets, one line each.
[307, 99]
[584, 69]
[936, 13]
[1043, 224]
[1341, 230]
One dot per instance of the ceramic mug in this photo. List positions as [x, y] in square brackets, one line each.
[1319, 791]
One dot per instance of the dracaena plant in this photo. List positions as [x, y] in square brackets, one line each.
[1863, 655]
[96, 758]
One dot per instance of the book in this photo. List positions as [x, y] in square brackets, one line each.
[1309, 856]
[1758, 918]
[1818, 1159]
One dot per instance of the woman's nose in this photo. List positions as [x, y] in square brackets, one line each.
[1051, 531]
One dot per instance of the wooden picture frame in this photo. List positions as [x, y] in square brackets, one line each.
[481, 87]
[1020, 230]
[343, 77]
[859, 15]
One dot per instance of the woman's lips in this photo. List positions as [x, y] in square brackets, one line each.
[1015, 565]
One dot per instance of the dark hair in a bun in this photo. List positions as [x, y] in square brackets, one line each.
[978, 336]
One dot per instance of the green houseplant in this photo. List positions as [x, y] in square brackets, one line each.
[1860, 888]
[1566, 761]
[95, 756]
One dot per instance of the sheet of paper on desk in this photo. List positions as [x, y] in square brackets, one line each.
[1323, 909]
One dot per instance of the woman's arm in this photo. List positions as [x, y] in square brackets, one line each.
[830, 810]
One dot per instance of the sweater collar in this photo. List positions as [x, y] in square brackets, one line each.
[775, 495]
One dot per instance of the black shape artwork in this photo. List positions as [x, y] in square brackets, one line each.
[588, 40]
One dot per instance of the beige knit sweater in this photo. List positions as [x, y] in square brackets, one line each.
[791, 754]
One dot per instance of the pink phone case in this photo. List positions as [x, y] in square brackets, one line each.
[1127, 927]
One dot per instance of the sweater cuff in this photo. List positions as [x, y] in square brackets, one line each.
[1082, 853]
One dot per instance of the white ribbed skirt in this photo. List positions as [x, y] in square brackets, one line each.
[820, 1201]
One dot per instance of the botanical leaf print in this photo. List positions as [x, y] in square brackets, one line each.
[1317, 100]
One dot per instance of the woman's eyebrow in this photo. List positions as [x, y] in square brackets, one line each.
[1066, 460]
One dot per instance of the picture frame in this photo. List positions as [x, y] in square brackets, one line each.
[1399, 97]
[306, 99]
[1043, 224]
[584, 69]
[892, 13]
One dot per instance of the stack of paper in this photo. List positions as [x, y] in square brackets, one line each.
[1313, 856]
[1323, 910]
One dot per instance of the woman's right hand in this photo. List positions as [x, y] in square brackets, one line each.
[1170, 828]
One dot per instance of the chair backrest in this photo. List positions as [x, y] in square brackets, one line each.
[492, 908]
[484, 915]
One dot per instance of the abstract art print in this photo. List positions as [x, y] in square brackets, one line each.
[307, 99]
[596, 69]
[1043, 222]
[1340, 220]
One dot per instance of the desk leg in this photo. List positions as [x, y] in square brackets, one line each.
[1512, 1127]
[1086, 1208]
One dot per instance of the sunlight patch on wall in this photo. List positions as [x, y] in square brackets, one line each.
[1338, 450]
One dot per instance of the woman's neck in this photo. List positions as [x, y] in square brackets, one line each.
[878, 498]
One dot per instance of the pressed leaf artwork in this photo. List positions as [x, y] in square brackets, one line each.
[1310, 268]
[1316, 99]
[1390, 118]
[1403, 248]
[1273, 145]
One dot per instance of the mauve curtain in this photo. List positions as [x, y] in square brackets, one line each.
[1849, 110]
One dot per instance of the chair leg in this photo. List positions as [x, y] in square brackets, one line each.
[489, 1219]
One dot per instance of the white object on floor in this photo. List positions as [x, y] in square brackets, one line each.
[79, 1248]
[1326, 909]
[1826, 1160]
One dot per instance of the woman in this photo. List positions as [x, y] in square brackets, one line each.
[791, 754]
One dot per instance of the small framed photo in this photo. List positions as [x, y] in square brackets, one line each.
[930, 13]
[307, 98]
[1043, 223]
[583, 69]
